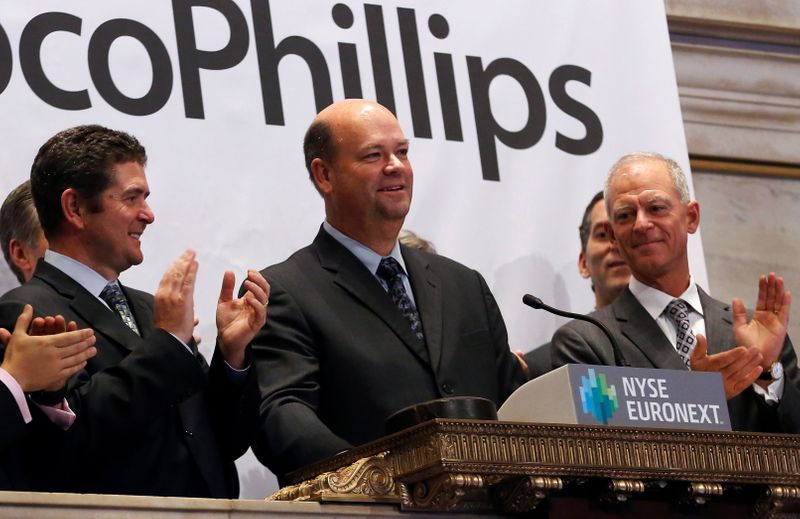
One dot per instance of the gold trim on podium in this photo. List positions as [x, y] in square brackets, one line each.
[471, 465]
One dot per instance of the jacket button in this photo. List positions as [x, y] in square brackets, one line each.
[188, 433]
[447, 388]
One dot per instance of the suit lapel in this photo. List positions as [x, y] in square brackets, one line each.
[89, 308]
[351, 275]
[640, 328]
[718, 322]
[428, 296]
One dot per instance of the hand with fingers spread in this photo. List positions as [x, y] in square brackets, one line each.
[174, 299]
[238, 320]
[47, 358]
[766, 331]
[739, 367]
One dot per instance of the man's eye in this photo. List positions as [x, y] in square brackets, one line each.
[403, 152]
[600, 235]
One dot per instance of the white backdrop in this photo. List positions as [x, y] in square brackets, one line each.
[235, 189]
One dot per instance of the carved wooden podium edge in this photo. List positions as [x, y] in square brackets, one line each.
[472, 465]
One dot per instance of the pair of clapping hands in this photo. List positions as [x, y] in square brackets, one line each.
[759, 340]
[42, 353]
[238, 319]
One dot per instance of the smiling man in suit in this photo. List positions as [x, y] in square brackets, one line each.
[361, 326]
[152, 417]
[663, 319]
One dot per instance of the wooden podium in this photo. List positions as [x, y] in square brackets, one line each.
[556, 470]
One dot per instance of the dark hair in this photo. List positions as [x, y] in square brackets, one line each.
[318, 143]
[18, 220]
[585, 228]
[81, 158]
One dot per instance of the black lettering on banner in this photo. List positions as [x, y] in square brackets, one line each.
[191, 59]
[415, 79]
[6, 63]
[448, 96]
[487, 127]
[348, 56]
[30, 60]
[379, 52]
[594, 129]
[99, 68]
[270, 55]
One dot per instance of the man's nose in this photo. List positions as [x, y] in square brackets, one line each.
[147, 214]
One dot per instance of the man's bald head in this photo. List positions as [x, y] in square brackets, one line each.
[321, 141]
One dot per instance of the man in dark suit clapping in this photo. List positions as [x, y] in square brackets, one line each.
[152, 417]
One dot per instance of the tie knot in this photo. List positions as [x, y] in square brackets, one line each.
[389, 268]
[677, 310]
[112, 294]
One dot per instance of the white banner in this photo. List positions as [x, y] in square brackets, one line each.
[515, 111]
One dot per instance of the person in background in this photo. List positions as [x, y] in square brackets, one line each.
[21, 236]
[598, 260]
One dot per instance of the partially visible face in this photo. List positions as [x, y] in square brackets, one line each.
[601, 260]
[25, 256]
[112, 236]
[650, 223]
[370, 180]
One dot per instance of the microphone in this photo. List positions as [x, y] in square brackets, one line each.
[535, 302]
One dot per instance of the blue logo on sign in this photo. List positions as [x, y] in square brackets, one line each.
[598, 398]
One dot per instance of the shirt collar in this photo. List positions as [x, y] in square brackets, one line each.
[368, 257]
[655, 301]
[83, 275]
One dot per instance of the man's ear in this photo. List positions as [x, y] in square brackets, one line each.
[693, 216]
[18, 253]
[72, 208]
[582, 268]
[321, 172]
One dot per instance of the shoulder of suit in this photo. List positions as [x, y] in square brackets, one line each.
[436, 261]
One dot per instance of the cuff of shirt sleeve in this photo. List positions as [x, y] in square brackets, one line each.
[772, 395]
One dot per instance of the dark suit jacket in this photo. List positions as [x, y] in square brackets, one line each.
[12, 433]
[645, 346]
[337, 357]
[151, 417]
[21, 443]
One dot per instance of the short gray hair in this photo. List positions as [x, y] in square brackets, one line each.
[677, 175]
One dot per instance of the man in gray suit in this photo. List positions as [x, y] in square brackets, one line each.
[664, 320]
[361, 326]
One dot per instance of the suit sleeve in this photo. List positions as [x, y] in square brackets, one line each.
[233, 407]
[290, 434]
[13, 428]
[788, 409]
[577, 343]
[507, 366]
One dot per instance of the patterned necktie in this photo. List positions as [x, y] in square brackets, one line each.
[678, 312]
[115, 299]
[390, 271]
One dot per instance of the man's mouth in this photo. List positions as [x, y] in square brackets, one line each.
[135, 235]
[391, 188]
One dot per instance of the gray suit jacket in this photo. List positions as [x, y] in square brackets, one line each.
[337, 357]
[645, 345]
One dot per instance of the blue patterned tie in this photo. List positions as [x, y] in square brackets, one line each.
[390, 271]
[115, 299]
[678, 312]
